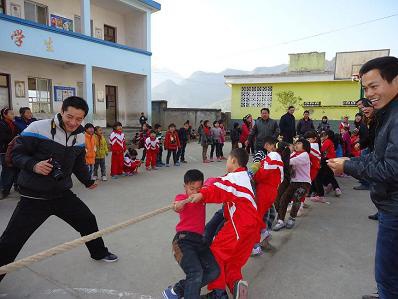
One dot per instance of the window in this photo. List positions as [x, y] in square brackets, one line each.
[78, 24]
[39, 91]
[2, 6]
[36, 12]
[256, 96]
[110, 33]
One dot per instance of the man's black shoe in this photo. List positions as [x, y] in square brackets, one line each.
[374, 217]
[372, 296]
[110, 258]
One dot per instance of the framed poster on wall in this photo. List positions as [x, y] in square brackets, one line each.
[15, 10]
[61, 22]
[63, 92]
[20, 89]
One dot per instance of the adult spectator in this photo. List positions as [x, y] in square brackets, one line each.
[324, 125]
[380, 81]
[287, 125]
[48, 152]
[143, 119]
[247, 125]
[344, 123]
[25, 118]
[200, 131]
[8, 131]
[183, 135]
[263, 127]
[305, 124]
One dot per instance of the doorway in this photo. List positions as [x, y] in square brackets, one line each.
[111, 105]
[5, 91]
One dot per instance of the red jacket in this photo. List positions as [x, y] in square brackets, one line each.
[315, 159]
[354, 141]
[118, 142]
[244, 135]
[171, 141]
[327, 149]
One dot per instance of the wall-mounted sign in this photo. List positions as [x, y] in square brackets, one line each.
[349, 103]
[17, 36]
[312, 104]
[63, 92]
[49, 44]
[61, 23]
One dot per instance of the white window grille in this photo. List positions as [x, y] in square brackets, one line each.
[256, 96]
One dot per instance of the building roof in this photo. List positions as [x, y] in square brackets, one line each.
[153, 4]
[286, 77]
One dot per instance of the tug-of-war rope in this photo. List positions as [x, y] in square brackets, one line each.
[77, 242]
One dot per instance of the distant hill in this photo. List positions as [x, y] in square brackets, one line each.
[201, 89]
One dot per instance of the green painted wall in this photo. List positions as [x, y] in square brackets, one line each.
[328, 93]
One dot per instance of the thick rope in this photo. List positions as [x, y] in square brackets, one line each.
[77, 242]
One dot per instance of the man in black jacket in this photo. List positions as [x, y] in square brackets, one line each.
[305, 124]
[287, 125]
[380, 81]
[48, 152]
[263, 128]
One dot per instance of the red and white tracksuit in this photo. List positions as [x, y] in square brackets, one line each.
[130, 165]
[267, 179]
[233, 244]
[118, 147]
[315, 159]
[152, 149]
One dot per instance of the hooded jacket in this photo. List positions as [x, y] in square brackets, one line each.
[380, 167]
[44, 140]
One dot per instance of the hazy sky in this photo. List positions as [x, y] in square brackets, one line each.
[212, 35]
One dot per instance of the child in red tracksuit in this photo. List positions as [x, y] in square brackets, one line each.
[172, 144]
[118, 147]
[131, 163]
[315, 160]
[233, 244]
[152, 150]
[267, 176]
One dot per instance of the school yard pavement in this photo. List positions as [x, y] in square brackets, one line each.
[329, 254]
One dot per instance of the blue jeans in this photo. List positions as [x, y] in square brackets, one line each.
[386, 264]
[214, 225]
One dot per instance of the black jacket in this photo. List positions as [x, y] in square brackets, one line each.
[183, 135]
[36, 144]
[6, 136]
[304, 126]
[363, 134]
[287, 125]
[261, 130]
[380, 167]
[235, 134]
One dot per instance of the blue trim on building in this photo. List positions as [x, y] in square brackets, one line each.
[151, 4]
[71, 34]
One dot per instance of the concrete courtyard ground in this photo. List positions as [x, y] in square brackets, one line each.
[329, 254]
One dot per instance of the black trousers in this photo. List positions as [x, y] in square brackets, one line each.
[181, 152]
[30, 214]
[169, 153]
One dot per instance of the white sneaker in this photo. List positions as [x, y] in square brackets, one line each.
[265, 233]
[104, 178]
[95, 178]
[289, 207]
[279, 225]
[256, 251]
[300, 211]
[338, 192]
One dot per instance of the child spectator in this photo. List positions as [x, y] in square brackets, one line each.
[299, 186]
[183, 135]
[131, 163]
[344, 124]
[152, 150]
[216, 144]
[90, 147]
[159, 137]
[345, 136]
[118, 147]
[222, 139]
[136, 140]
[205, 140]
[144, 134]
[355, 149]
[235, 135]
[100, 154]
[325, 173]
[233, 244]
[315, 159]
[190, 249]
[172, 144]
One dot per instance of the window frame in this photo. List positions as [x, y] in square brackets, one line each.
[37, 4]
[38, 96]
[115, 35]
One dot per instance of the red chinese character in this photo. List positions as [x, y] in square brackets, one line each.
[17, 36]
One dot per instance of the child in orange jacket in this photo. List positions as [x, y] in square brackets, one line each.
[90, 147]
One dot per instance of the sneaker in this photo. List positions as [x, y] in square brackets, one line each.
[211, 160]
[372, 296]
[241, 290]
[104, 178]
[95, 178]
[216, 294]
[279, 225]
[318, 199]
[114, 177]
[337, 192]
[265, 234]
[290, 223]
[219, 159]
[185, 162]
[289, 207]
[167, 165]
[177, 164]
[361, 187]
[110, 258]
[169, 293]
[300, 211]
[328, 188]
[374, 216]
[155, 168]
[148, 169]
[206, 161]
[256, 251]
[159, 165]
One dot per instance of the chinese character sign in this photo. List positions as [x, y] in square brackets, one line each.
[17, 36]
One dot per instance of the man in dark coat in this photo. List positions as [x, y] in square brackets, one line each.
[287, 125]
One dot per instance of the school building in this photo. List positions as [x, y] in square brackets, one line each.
[324, 89]
[97, 49]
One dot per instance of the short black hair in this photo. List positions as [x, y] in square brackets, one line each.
[359, 114]
[172, 125]
[306, 144]
[215, 122]
[266, 109]
[88, 126]
[117, 124]
[75, 102]
[193, 175]
[241, 155]
[387, 66]
[270, 140]
[306, 111]
[290, 107]
[324, 117]
[152, 132]
[157, 126]
[132, 152]
[22, 110]
[236, 124]
[310, 134]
